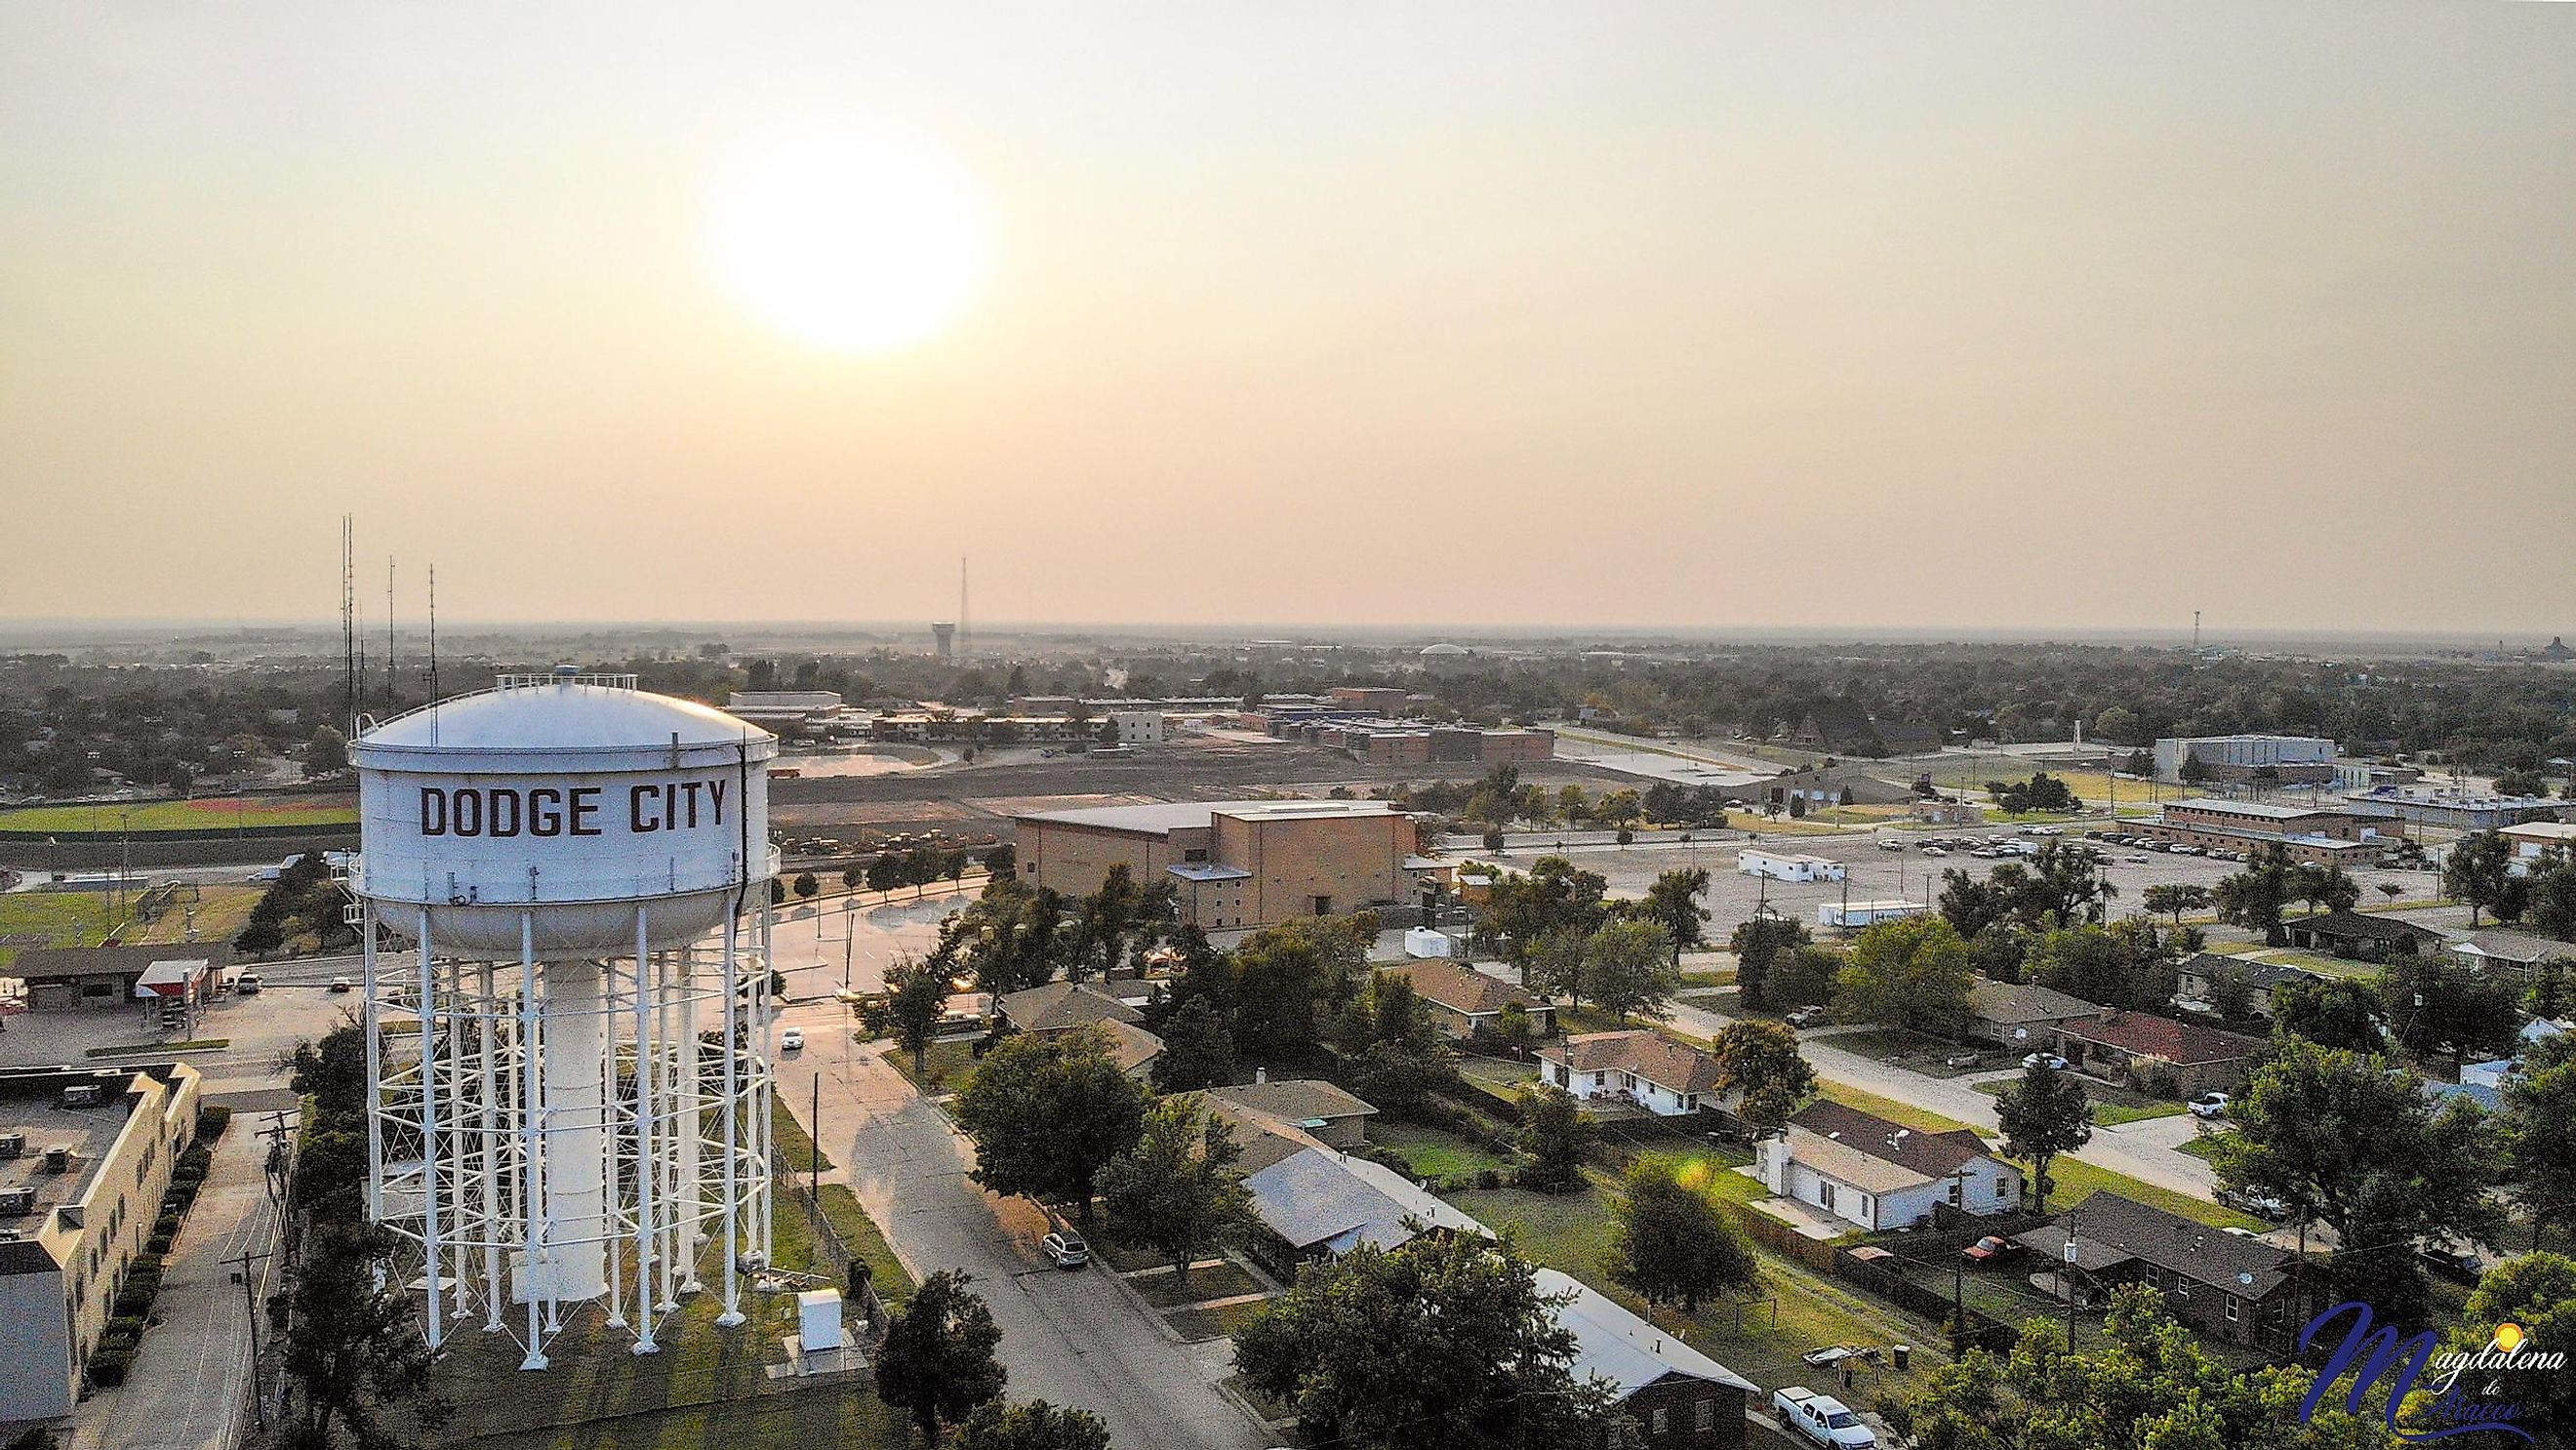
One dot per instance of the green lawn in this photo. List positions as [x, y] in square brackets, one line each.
[2111, 1106]
[62, 918]
[795, 1145]
[949, 1064]
[1760, 1335]
[1501, 1076]
[1198, 1324]
[1922, 1120]
[1915, 1052]
[197, 815]
[2078, 1181]
[1713, 977]
[2204, 1147]
[1206, 1281]
[1434, 1152]
[860, 1235]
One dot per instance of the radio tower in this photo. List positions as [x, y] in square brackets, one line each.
[349, 619]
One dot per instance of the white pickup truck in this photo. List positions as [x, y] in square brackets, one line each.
[1822, 1419]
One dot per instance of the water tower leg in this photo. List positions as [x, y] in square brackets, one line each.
[646, 1099]
[732, 1315]
[487, 1024]
[692, 1118]
[430, 1186]
[367, 1008]
[532, 1256]
[667, 1131]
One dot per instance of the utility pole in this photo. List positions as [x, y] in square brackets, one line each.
[814, 1175]
[2067, 1275]
[1959, 1277]
[250, 1305]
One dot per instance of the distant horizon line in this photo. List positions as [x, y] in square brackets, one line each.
[1392, 633]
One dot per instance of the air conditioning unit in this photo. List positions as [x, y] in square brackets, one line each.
[13, 1145]
[58, 1160]
[81, 1095]
[17, 1202]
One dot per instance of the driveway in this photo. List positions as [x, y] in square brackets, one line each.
[1069, 1338]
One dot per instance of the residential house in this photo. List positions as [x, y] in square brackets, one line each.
[2126, 1045]
[2240, 1289]
[1882, 1175]
[1680, 1398]
[1640, 1068]
[2361, 936]
[2203, 972]
[1057, 1006]
[1464, 1001]
[2020, 1015]
[2487, 1096]
[1333, 1117]
[1315, 1202]
[2510, 951]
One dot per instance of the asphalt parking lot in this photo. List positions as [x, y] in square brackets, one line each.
[1907, 874]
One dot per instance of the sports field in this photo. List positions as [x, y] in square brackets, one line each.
[144, 817]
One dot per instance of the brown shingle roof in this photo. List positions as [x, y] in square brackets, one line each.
[2184, 1044]
[1929, 1154]
[2110, 1230]
[1459, 987]
[1299, 1100]
[2018, 1002]
[1673, 1066]
[1058, 1005]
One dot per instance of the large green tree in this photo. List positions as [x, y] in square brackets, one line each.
[1197, 1050]
[1757, 942]
[2347, 1140]
[1554, 1135]
[2436, 1004]
[2539, 1130]
[1628, 969]
[2043, 1114]
[1911, 973]
[1447, 1340]
[937, 1359]
[2538, 1293]
[1555, 894]
[1670, 1242]
[1047, 1114]
[2333, 1012]
[1177, 1189]
[1036, 1425]
[908, 1011]
[2255, 897]
[1758, 1062]
[2479, 871]
[1673, 903]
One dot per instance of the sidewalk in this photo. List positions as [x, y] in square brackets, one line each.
[189, 1387]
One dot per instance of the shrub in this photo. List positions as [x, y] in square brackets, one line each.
[166, 1226]
[212, 1119]
[1489, 1178]
[159, 1243]
[134, 1301]
[130, 1326]
[107, 1367]
[197, 1159]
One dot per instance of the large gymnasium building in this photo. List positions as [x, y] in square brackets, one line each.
[1237, 863]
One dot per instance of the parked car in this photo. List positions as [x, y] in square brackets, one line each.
[1936, 850]
[791, 1040]
[2209, 1105]
[343, 984]
[1821, 1419]
[2459, 1265]
[1961, 1059]
[1993, 1248]
[1066, 1249]
[1806, 1017]
[248, 984]
[2262, 1206]
[1890, 843]
[2053, 1061]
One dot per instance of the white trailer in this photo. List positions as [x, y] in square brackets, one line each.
[1784, 866]
[1854, 915]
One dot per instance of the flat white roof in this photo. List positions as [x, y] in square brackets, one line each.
[1166, 817]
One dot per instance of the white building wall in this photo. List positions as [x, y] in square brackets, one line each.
[36, 1379]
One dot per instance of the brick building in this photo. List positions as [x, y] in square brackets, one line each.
[1236, 863]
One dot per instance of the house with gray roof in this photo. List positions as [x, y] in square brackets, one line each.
[1334, 1117]
[2514, 951]
[2020, 1015]
[2243, 1289]
[1680, 1398]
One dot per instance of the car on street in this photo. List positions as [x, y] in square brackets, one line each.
[1806, 1017]
[1889, 843]
[2051, 1060]
[2458, 1265]
[248, 984]
[1066, 1249]
[2262, 1206]
[343, 984]
[1993, 1248]
[791, 1040]
[2209, 1105]
[1936, 850]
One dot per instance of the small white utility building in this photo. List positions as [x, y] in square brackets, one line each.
[1784, 866]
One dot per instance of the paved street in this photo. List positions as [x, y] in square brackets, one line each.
[1070, 1338]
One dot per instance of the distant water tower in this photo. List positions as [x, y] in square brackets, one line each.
[943, 638]
[568, 1047]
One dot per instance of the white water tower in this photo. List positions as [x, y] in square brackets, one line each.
[568, 1036]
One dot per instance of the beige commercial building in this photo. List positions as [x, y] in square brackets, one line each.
[1236, 863]
[85, 1156]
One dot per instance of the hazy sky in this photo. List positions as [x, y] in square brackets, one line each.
[1693, 314]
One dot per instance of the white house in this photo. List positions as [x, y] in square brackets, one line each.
[1647, 1069]
[1782, 866]
[1882, 1175]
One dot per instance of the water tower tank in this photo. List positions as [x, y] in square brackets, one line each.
[567, 1019]
[580, 796]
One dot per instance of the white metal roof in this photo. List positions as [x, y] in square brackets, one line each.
[1616, 1345]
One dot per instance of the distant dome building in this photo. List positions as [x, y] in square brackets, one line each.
[1444, 651]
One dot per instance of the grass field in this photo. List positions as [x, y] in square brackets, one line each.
[80, 919]
[1433, 1152]
[1198, 1324]
[1206, 1281]
[1793, 1309]
[1915, 1052]
[2078, 1181]
[2204, 1147]
[948, 1063]
[1922, 1120]
[2111, 1106]
[144, 817]
[794, 1143]
[860, 1235]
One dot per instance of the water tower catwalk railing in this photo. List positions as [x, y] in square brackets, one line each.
[557, 1131]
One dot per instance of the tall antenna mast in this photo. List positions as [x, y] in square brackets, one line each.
[2195, 629]
[389, 634]
[433, 634]
[965, 630]
[349, 618]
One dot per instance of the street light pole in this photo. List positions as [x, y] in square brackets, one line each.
[250, 1305]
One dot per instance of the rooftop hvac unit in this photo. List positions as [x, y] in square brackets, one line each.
[13, 1145]
[17, 1203]
[58, 1160]
[81, 1095]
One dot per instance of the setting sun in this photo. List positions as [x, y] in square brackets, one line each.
[860, 244]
